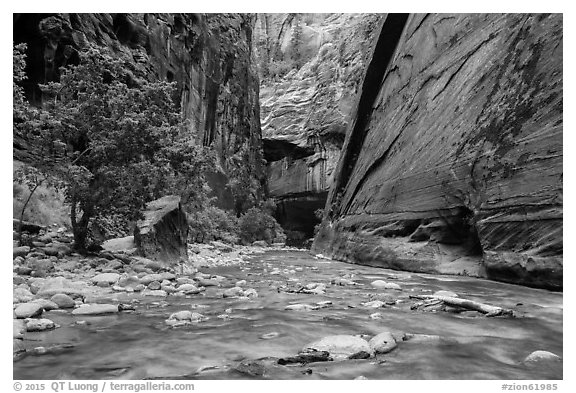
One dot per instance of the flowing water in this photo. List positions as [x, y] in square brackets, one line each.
[140, 345]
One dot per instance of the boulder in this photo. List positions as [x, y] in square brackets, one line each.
[22, 295]
[39, 325]
[51, 251]
[233, 292]
[29, 227]
[20, 251]
[47, 305]
[168, 288]
[41, 264]
[154, 285]
[374, 304]
[119, 244]
[182, 318]
[445, 293]
[108, 278]
[250, 293]
[18, 328]
[18, 280]
[147, 279]
[52, 286]
[27, 310]
[342, 281]
[189, 289]
[340, 346]
[222, 246]
[63, 300]
[182, 315]
[208, 282]
[382, 343]
[542, 356]
[301, 307]
[260, 243]
[113, 265]
[96, 309]
[129, 281]
[380, 284]
[167, 276]
[23, 270]
[156, 292]
[162, 234]
[45, 239]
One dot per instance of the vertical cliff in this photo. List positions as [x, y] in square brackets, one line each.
[310, 67]
[453, 161]
[209, 56]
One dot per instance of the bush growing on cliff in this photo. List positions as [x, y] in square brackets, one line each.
[124, 141]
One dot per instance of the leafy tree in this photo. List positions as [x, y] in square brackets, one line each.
[126, 142]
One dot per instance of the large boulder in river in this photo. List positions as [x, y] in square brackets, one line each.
[162, 234]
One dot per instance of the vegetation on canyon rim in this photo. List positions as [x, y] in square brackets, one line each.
[111, 142]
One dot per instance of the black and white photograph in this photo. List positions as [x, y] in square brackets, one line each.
[286, 196]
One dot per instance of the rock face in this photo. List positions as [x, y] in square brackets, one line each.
[310, 67]
[163, 233]
[453, 161]
[209, 56]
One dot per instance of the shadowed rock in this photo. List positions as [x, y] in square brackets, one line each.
[162, 234]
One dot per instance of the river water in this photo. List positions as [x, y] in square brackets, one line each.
[140, 345]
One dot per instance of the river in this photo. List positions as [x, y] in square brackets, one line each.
[140, 345]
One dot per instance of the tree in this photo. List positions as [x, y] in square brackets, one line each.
[242, 184]
[296, 43]
[127, 143]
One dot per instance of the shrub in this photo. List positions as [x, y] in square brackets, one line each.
[280, 68]
[213, 223]
[257, 224]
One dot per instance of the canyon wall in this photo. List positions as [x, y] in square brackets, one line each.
[453, 160]
[209, 56]
[310, 67]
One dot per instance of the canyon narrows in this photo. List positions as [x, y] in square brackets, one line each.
[287, 196]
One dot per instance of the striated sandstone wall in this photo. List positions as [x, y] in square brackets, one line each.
[310, 66]
[453, 162]
[209, 56]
